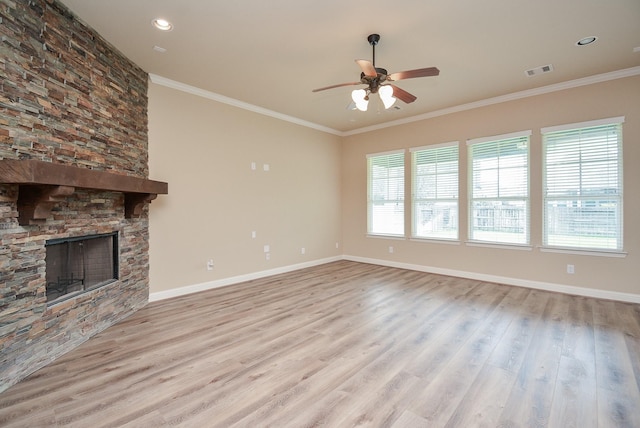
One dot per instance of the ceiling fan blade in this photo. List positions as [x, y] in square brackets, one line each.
[403, 95]
[410, 74]
[367, 67]
[336, 86]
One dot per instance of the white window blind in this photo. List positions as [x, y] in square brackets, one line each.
[583, 185]
[385, 204]
[434, 191]
[499, 189]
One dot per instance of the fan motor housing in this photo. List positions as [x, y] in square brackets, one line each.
[374, 82]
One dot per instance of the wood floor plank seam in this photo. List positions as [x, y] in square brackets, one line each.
[348, 344]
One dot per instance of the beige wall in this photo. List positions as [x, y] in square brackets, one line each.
[614, 98]
[204, 150]
[315, 193]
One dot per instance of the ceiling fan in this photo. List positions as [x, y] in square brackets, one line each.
[375, 78]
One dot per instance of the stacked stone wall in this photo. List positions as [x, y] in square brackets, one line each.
[67, 97]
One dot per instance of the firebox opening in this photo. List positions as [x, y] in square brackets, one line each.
[79, 264]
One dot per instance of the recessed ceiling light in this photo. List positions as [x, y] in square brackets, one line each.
[162, 24]
[159, 49]
[586, 41]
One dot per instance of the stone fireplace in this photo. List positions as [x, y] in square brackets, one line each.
[79, 264]
[76, 108]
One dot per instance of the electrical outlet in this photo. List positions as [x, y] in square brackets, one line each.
[253, 166]
[266, 248]
[302, 251]
[210, 264]
[253, 234]
[267, 256]
[390, 249]
[571, 269]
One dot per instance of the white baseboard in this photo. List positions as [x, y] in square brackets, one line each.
[538, 285]
[189, 289]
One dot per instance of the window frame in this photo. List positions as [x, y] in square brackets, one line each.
[578, 128]
[400, 195]
[415, 200]
[474, 143]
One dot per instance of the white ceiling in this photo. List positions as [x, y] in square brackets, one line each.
[271, 54]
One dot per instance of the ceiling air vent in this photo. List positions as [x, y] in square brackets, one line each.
[539, 70]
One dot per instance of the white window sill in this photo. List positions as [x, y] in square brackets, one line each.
[580, 252]
[396, 237]
[436, 241]
[521, 247]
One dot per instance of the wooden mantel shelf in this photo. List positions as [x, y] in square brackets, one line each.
[43, 184]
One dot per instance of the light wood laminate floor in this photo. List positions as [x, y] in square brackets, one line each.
[349, 344]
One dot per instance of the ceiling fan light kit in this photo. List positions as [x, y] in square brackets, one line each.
[361, 98]
[386, 95]
[375, 78]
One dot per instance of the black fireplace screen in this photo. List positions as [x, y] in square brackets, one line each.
[75, 265]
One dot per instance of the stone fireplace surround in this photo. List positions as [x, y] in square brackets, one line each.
[68, 98]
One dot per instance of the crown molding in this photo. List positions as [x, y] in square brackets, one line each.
[163, 81]
[598, 78]
[590, 80]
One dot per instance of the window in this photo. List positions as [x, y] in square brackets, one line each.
[499, 189]
[583, 185]
[434, 191]
[385, 194]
